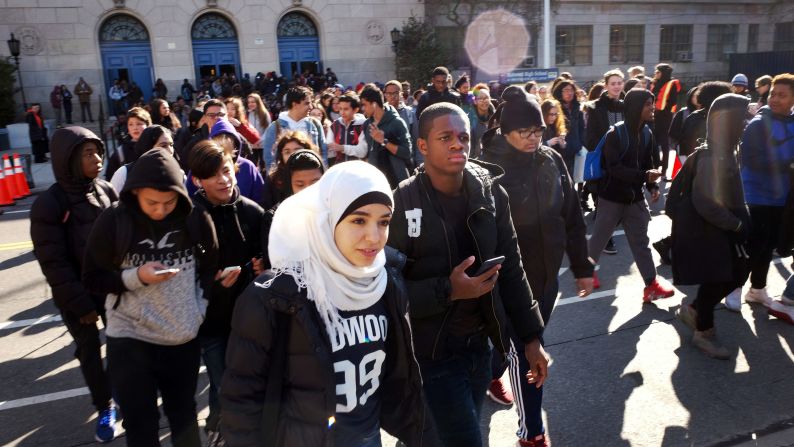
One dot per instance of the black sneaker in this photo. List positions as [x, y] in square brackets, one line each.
[610, 248]
[663, 249]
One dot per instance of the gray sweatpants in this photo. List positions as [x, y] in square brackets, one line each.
[635, 218]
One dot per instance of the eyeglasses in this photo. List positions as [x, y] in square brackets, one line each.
[215, 114]
[525, 133]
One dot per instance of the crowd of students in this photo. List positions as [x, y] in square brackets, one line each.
[391, 290]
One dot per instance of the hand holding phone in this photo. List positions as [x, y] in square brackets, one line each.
[228, 270]
[155, 272]
[489, 264]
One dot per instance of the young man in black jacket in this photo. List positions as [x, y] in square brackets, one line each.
[60, 220]
[449, 219]
[629, 164]
[439, 93]
[238, 224]
[549, 223]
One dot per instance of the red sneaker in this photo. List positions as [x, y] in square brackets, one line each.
[596, 282]
[537, 441]
[499, 394]
[659, 288]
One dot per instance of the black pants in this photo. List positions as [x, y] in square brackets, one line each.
[763, 240]
[138, 370]
[86, 107]
[67, 109]
[661, 123]
[40, 149]
[708, 296]
[88, 353]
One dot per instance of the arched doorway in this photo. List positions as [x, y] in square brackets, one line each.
[215, 48]
[126, 53]
[298, 45]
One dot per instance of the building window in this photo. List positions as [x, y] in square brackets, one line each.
[675, 43]
[574, 45]
[752, 38]
[722, 41]
[295, 24]
[213, 26]
[626, 44]
[784, 36]
[123, 28]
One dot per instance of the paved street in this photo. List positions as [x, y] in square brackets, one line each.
[620, 374]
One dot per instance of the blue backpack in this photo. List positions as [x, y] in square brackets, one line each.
[593, 162]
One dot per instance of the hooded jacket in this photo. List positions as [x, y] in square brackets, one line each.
[124, 153]
[704, 244]
[430, 260]
[60, 235]
[601, 114]
[545, 209]
[238, 226]
[170, 312]
[767, 152]
[625, 167]
[397, 166]
[433, 96]
[308, 125]
[308, 398]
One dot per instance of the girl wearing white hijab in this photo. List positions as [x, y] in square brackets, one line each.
[320, 352]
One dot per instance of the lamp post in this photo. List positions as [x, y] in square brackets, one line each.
[13, 48]
[395, 38]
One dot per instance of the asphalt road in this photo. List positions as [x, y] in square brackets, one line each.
[623, 373]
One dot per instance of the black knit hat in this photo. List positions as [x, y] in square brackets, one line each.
[520, 112]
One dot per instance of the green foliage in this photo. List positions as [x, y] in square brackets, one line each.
[418, 52]
[7, 80]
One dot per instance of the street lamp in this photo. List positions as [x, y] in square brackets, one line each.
[395, 38]
[13, 48]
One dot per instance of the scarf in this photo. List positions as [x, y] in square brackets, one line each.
[36, 115]
[301, 243]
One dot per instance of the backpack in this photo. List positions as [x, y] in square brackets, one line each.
[681, 187]
[593, 162]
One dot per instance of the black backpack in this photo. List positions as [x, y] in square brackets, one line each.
[681, 188]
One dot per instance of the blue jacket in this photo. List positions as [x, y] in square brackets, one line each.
[767, 151]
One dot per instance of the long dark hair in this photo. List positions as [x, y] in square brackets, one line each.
[148, 139]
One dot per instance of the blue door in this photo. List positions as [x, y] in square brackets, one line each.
[130, 61]
[216, 57]
[298, 54]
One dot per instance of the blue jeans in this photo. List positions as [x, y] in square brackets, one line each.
[455, 388]
[213, 351]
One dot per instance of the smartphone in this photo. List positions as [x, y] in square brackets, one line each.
[229, 270]
[165, 271]
[487, 265]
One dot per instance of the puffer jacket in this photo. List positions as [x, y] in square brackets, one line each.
[308, 397]
[60, 235]
[598, 120]
[430, 260]
[545, 209]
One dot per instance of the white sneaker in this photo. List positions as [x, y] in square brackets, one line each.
[779, 310]
[734, 300]
[758, 296]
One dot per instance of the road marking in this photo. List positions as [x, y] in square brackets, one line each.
[16, 212]
[60, 395]
[16, 245]
[31, 322]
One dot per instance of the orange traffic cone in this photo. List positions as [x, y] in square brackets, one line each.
[5, 196]
[8, 173]
[19, 177]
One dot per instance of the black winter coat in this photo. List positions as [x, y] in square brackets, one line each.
[239, 230]
[60, 235]
[598, 119]
[693, 132]
[432, 96]
[704, 233]
[309, 389]
[545, 210]
[124, 153]
[430, 260]
[36, 132]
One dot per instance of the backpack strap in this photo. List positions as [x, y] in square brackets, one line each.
[122, 239]
[63, 201]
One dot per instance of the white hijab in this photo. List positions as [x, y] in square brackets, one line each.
[301, 242]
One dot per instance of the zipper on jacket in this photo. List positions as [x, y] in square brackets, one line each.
[493, 308]
[449, 262]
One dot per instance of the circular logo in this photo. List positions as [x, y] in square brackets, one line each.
[30, 40]
[375, 32]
